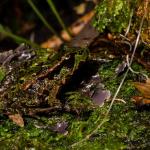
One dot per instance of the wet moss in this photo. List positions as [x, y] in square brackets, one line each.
[126, 126]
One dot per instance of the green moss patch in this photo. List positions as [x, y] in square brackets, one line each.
[126, 126]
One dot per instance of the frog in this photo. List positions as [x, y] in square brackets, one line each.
[37, 80]
[32, 84]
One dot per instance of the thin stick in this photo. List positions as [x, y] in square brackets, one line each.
[135, 72]
[129, 25]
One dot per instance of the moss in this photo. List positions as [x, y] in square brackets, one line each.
[113, 15]
[2, 73]
[126, 127]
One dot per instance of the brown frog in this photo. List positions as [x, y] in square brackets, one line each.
[38, 84]
[32, 85]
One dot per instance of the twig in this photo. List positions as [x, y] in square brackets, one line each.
[120, 100]
[125, 42]
[129, 25]
[135, 72]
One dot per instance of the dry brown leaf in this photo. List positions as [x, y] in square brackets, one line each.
[75, 28]
[144, 88]
[139, 100]
[17, 119]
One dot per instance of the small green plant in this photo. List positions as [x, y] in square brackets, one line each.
[81, 55]
[16, 38]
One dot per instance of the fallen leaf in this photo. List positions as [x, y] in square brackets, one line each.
[75, 29]
[94, 89]
[139, 100]
[144, 88]
[17, 119]
[100, 96]
[60, 127]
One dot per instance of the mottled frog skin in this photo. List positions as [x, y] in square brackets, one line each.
[36, 80]
[33, 79]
